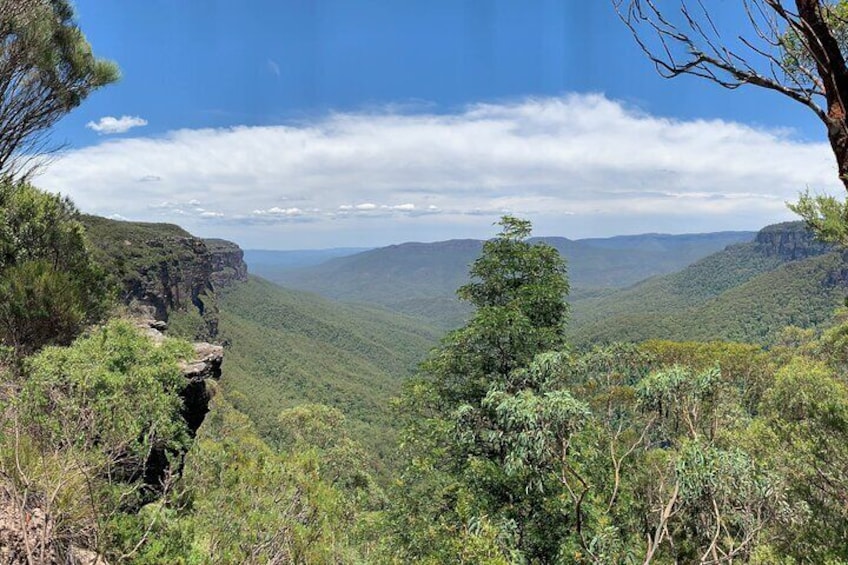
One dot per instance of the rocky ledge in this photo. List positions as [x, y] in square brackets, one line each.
[204, 366]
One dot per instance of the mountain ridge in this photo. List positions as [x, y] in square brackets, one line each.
[420, 279]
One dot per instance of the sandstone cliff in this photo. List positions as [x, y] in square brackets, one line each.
[790, 241]
[161, 272]
[161, 268]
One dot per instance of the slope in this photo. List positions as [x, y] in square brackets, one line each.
[420, 278]
[747, 292]
[289, 347]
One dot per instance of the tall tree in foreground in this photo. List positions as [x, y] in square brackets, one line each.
[46, 70]
[456, 500]
[795, 48]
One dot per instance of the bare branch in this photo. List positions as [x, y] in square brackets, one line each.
[797, 53]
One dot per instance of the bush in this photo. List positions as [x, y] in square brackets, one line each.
[49, 285]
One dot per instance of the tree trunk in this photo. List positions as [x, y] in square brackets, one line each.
[831, 68]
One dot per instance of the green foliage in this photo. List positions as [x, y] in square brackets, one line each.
[747, 370]
[49, 286]
[240, 501]
[484, 421]
[288, 348]
[112, 390]
[39, 305]
[519, 291]
[746, 293]
[344, 462]
[78, 428]
[129, 248]
[47, 69]
[826, 216]
[806, 423]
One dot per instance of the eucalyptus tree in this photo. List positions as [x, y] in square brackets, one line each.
[796, 48]
[477, 400]
[47, 69]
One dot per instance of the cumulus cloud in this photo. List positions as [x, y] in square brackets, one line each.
[576, 165]
[111, 125]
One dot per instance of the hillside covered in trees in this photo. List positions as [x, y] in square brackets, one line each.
[748, 292]
[639, 399]
[323, 442]
[420, 279]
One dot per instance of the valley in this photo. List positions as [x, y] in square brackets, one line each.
[423, 282]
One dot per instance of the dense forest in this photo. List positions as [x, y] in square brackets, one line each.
[511, 445]
[158, 404]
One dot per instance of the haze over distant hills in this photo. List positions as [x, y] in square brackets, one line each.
[280, 261]
[744, 286]
[421, 278]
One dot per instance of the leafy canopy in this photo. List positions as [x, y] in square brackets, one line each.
[46, 70]
[49, 285]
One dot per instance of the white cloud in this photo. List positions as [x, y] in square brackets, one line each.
[276, 211]
[577, 165]
[109, 125]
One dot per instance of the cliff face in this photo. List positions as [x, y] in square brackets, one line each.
[227, 260]
[178, 278]
[790, 241]
[161, 268]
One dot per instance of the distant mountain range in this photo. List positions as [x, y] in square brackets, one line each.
[281, 261]
[420, 279]
[743, 286]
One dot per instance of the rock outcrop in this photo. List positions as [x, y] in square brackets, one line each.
[162, 268]
[202, 367]
[228, 266]
[205, 367]
[791, 241]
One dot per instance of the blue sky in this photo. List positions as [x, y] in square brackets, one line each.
[298, 124]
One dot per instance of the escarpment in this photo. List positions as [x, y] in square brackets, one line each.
[161, 269]
[164, 273]
[228, 266]
[790, 241]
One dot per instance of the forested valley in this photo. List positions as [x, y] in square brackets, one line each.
[167, 398]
